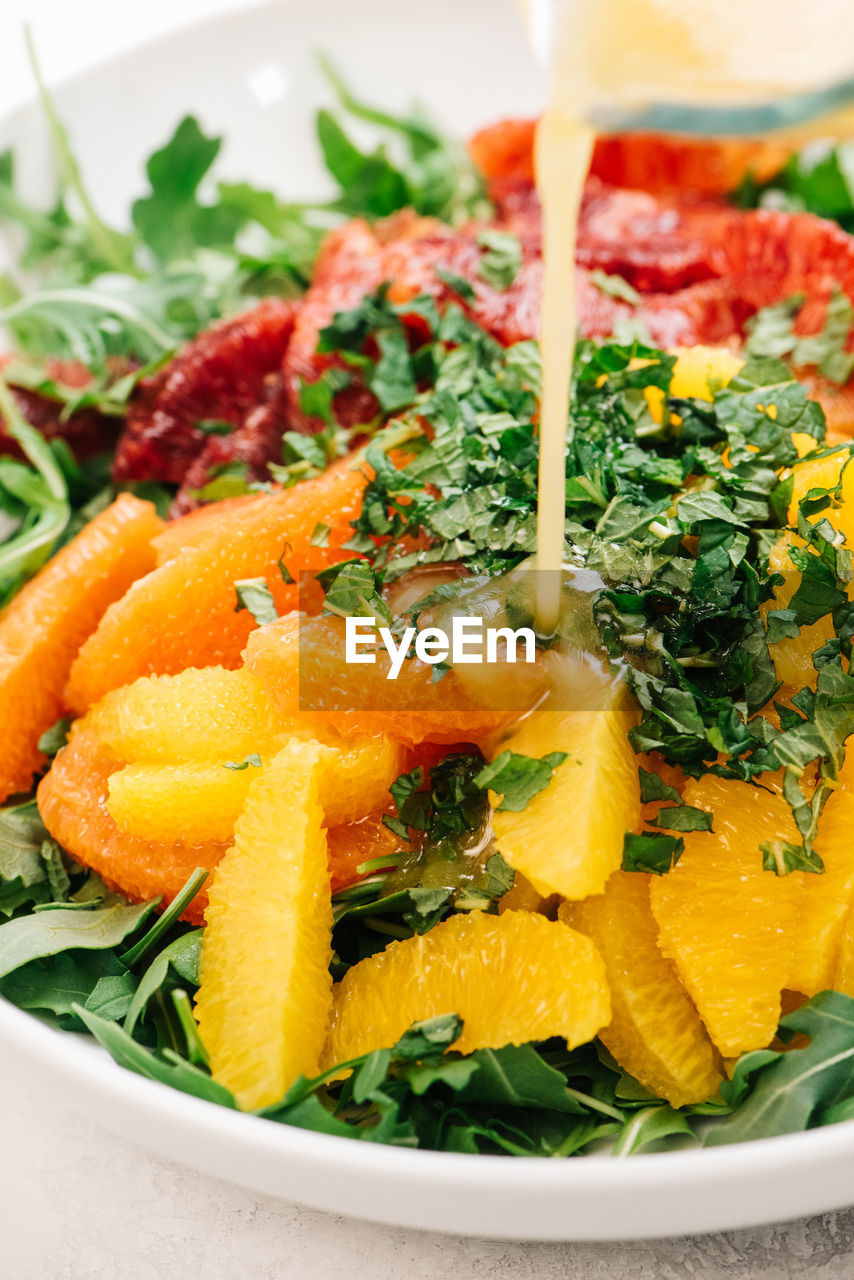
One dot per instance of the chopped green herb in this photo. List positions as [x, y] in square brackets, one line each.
[253, 761]
[518, 778]
[502, 260]
[254, 594]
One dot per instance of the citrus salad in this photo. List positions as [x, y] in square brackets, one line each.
[602, 899]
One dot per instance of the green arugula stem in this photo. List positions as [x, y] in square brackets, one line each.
[176, 908]
[27, 550]
[111, 246]
[100, 302]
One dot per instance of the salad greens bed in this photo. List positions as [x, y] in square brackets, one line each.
[83, 958]
[687, 630]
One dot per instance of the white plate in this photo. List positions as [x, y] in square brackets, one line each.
[251, 77]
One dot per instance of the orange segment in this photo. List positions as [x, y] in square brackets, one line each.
[825, 899]
[511, 978]
[193, 529]
[569, 838]
[725, 922]
[208, 713]
[199, 801]
[46, 623]
[655, 1032]
[824, 473]
[696, 371]
[843, 969]
[263, 1003]
[72, 800]
[300, 662]
[183, 613]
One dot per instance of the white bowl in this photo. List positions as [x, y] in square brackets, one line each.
[251, 77]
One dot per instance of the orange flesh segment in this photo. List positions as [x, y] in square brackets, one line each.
[43, 627]
[207, 713]
[569, 838]
[300, 662]
[183, 613]
[726, 923]
[263, 1003]
[72, 800]
[512, 978]
[199, 801]
[655, 1032]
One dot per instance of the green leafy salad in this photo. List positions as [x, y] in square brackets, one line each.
[674, 506]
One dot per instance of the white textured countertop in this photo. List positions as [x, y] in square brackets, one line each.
[77, 1203]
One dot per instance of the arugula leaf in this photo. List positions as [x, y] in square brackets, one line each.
[436, 177]
[169, 1068]
[651, 1125]
[167, 918]
[775, 1092]
[112, 247]
[49, 508]
[61, 929]
[56, 983]
[170, 220]
[182, 955]
[518, 778]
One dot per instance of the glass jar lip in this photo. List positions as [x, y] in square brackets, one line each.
[739, 118]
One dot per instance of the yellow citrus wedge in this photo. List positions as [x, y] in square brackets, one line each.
[696, 371]
[825, 899]
[843, 971]
[264, 999]
[569, 838]
[207, 713]
[199, 801]
[824, 473]
[655, 1032]
[511, 978]
[725, 922]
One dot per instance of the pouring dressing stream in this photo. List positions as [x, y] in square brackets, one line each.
[703, 66]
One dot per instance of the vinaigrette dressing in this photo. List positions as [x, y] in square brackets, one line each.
[610, 59]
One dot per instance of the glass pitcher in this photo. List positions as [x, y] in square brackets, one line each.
[712, 67]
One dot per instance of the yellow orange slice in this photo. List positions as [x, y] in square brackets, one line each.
[263, 1004]
[511, 978]
[655, 1032]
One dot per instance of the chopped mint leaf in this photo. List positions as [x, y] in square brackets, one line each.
[351, 590]
[518, 778]
[254, 594]
[459, 284]
[651, 852]
[253, 761]
[214, 427]
[683, 817]
[502, 261]
[615, 287]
